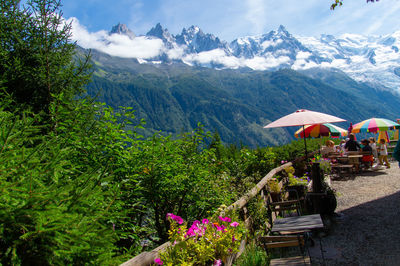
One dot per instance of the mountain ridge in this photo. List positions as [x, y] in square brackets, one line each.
[371, 59]
[174, 98]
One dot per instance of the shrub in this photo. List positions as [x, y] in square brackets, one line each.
[205, 242]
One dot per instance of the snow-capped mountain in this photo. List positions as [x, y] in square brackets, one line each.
[197, 42]
[372, 59]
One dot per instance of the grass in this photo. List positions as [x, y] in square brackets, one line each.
[253, 256]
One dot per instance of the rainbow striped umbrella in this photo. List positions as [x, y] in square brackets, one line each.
[374, 125]
[318, 130]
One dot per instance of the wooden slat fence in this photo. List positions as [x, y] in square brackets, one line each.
[147, 258]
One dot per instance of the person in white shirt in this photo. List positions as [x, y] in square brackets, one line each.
[372, 143]
[383, 154]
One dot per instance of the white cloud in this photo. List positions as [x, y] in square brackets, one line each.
[269, 43]
[216, 56]
[175, 53]
[115, 44]
[267, 62]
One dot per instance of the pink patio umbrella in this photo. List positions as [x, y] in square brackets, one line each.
[304, 117]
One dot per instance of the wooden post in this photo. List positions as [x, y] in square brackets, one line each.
[316, 176]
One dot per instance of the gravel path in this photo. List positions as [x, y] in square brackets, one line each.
[367, 230]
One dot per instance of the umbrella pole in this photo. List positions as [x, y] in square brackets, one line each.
[305, 142]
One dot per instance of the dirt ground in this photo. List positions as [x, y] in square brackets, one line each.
[366, 230]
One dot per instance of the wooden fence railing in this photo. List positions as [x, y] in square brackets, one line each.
[147, 258]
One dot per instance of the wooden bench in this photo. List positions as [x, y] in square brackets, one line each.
[341, 169]
[291, 261]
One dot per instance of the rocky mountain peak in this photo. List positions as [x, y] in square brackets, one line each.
[123, 30]
[159, 32]
[197, 41]
[283, 32]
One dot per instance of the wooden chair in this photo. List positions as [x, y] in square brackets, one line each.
[286, 208]
[270, 242]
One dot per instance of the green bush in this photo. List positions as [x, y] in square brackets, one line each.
[52, 209]
[253, 256]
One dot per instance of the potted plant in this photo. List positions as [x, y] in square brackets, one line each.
[297, 186]
[274, 189]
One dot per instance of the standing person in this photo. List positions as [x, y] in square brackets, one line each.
[396, 152]
[383, 154]
[372, 143]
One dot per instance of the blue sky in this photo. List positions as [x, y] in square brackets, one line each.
[229, 19]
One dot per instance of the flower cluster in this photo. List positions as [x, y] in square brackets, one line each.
[205, 242]
[299, 180]
[324, 163]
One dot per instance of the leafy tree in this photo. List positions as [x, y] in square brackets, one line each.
[340, 3]
[61, 196]
[176, 176]
[37, 56]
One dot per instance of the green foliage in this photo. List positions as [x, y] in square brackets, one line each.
[179, 176]
[259, 214]
[294, 149]
[36, 54]
[298, 181]
[253, 256]
[273, 185]
[340, 3]
[54, 209]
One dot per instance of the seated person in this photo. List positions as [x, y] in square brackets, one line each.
[367, 159]
[329, 148]
[353, 146]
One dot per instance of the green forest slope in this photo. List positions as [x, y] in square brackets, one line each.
[236, 103]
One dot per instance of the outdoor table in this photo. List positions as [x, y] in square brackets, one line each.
[298, 223]
[356, 156]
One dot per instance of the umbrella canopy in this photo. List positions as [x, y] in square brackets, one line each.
[374, 125]
[304, 117]
[319, 130]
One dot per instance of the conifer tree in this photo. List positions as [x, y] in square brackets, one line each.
[37, 63]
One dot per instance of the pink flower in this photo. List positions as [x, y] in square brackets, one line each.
[205, 221]
[158, 261]
[234, 224]
[196, 222]
[190, 232]
[221, 228]
[217, 263]
[174, 217]
[225, 219]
